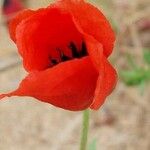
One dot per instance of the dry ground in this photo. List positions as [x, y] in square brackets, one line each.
[123, 123]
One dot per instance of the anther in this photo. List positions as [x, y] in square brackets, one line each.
[74, 50]
[54, 61]
[63, 57]
[83, 51]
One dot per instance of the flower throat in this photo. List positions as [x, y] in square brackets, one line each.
[75, 53]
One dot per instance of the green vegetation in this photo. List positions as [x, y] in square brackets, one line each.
[137, 75]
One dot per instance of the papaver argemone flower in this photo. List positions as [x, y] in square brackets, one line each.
[64, 48]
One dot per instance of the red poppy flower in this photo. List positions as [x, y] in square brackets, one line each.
[65, 49]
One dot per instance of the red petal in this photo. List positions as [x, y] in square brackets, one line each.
[69, 85]
[95, 50]
[106, 83]
[16, 20]
[41, 36]
[107, 75]
[91, 20]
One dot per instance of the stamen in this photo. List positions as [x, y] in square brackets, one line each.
[74, 50]
[54, 61]
[63, 57]
[75, 53]
[83, 51]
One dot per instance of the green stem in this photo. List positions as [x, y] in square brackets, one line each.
[85, 128]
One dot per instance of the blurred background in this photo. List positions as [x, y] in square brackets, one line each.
[123, 123]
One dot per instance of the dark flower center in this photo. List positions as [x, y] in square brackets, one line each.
[76, 53]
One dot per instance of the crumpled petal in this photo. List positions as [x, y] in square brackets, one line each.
[105, 84]
[16, 20]
[107, 75]
[69, 85]
[91, 20]
[41, 37]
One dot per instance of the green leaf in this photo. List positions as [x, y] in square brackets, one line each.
[135, 77]
[142, 87]
[147, 56]
[130, 60]
[92, 145]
